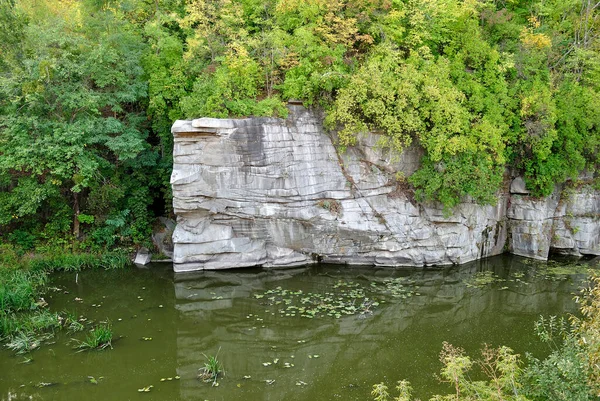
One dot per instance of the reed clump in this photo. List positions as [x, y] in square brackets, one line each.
[24, 321]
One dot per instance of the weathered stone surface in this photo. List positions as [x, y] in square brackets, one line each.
[162, 237]
[531, 222]
[567, 222]
[577, 223]
[142, 257]
[517, 186]
[272, 192]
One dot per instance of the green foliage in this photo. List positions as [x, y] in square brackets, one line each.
[71, 117]
[570, 372]
[64, 261]
[12, 22]
[560, 376]
[380, 391]
[99, 338]
[587, 331]
[212, 369]
[473, 85]
[442, 87]
[18, 289]
[89, 90]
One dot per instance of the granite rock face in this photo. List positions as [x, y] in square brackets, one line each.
[273, 192]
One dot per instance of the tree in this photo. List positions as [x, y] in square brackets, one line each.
[70, 115]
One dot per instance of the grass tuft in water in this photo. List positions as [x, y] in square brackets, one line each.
[211, 369]
[72, 324]
[99, 338]
[24, 342]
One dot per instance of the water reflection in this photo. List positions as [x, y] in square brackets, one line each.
[321, 358]
[343, 357]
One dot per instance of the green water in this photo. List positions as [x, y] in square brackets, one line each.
[366, 325]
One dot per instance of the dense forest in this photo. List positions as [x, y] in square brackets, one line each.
[90, 88]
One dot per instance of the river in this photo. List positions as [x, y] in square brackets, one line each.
[314, 333]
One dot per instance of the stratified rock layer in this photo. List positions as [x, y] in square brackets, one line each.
[273, 192]
[566, 222]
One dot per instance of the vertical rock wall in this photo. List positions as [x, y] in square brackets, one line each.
[566, 222]
[273, 192]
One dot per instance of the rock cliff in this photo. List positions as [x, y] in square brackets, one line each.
[273, 192]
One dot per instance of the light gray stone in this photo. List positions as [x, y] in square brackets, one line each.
[566, 222]
[217, 123]
[273, 192]
[517, 186]
[142, 257]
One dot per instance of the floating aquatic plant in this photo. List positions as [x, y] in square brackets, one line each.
[145, 389]
[345, 298]
[482, 279]
[211, 369]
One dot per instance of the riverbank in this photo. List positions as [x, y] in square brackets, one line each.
[24, 317]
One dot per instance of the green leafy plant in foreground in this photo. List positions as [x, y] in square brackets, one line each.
[99, 338]
[212, 369]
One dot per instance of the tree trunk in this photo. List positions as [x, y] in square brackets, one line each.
[76, 215]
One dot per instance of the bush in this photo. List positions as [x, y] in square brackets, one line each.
[569, 373]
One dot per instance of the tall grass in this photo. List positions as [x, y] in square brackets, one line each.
[78, 261]
[19, 288]
[23, 323]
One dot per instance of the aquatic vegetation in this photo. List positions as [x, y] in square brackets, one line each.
[569, 373]
[25, 332]
[555, 270]
[72, 324]
[93, 380]
[482, 279]
[212, 369]
[43, 320]
[346, 298]
[19, 289]
[78, 261]
[399, 287]
[23, 342]
[99, 338]
[21, 303]
[168, 379]
[145, 389]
